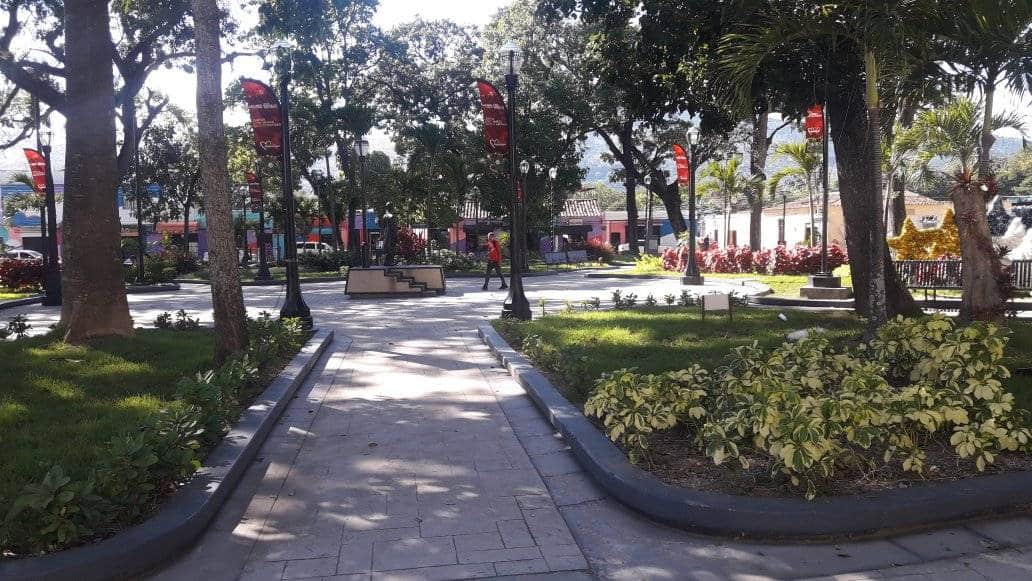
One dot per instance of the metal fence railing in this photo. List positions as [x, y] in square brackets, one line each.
[947, 274]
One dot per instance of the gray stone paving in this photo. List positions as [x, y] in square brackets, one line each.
[410, 454]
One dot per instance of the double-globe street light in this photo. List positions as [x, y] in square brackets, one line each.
[293, 304]
[553, 173]
[51, 264]
[362, 151]
[516, 305]
[691, 271]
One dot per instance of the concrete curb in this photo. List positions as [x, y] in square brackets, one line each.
[33, 300]
[150, 288]
[801, 302]
[875, 514]
[187, 513]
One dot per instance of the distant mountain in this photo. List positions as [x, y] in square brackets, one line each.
[599, 171]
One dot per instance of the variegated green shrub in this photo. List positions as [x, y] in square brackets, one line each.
[632, 406]
[814, 410]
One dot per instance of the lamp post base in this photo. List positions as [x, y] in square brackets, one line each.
[516, 311]
[825, 280]
[693, 280]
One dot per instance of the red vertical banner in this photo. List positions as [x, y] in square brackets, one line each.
[254, 191]
[266, 119]
[683, 165]
[814, 123]
[38, 168]
[496, 119]
[519, 191]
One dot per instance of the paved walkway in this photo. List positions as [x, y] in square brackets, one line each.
[410, 454]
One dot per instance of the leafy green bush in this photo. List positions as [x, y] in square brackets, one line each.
[324, 261]
[453, 261]
[52, 513]
[648, 264]
[632, 406]
[813, 410]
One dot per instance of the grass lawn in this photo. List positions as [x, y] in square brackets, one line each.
[664, 339]
[60, 403]
[7, 294]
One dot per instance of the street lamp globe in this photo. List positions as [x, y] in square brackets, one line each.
[647, 180]
[693, 135]
[510, 57]
[524, 167]
[362, 148]
[553, 173]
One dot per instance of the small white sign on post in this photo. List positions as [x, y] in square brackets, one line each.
[716, 302]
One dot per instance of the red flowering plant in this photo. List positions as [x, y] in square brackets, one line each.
[21, 275]
[733, 259]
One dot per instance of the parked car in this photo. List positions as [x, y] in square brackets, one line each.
[23, 255]
[313, 247]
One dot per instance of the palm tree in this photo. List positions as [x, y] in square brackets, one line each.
[989, 44]
[953, 133]
[806, 165]
[725, 179]
[882, 35]
[227, 297]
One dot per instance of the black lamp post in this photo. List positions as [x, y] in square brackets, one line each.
[51, 265]
[647, 180]
[556, 210]
[691, 271]
[333, 209]
[782, 235]
[263, 258]
[293, 304]
[362, 149]
[825, 278]
[516, 305]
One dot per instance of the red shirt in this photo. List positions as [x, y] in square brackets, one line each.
[494, 253]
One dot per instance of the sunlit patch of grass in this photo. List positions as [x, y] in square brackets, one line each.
[61, 403]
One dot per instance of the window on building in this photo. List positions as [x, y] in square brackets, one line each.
[781, 230]
[656, 233]
[733, 240]
[614, 238]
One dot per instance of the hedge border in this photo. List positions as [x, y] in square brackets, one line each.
[13, 303]
[188, 512]
[151, 288]
[872, 515]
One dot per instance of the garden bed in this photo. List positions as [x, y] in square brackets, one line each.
[575, 349]
[109, 430]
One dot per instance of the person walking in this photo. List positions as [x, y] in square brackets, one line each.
[494, 260]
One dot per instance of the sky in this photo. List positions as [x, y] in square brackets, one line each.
[181, 86]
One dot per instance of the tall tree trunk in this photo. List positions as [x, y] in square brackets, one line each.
[898, 209]
[757, 168]
[877, 313]
[983, 298]
[849, 134]
[94, 294]
[227, 297]
[984, 168]
[670, 194]
[627, 144]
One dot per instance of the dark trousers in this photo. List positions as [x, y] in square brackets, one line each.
[496, 267]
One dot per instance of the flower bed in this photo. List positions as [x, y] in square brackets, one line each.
[733, 259]
[924, 401]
